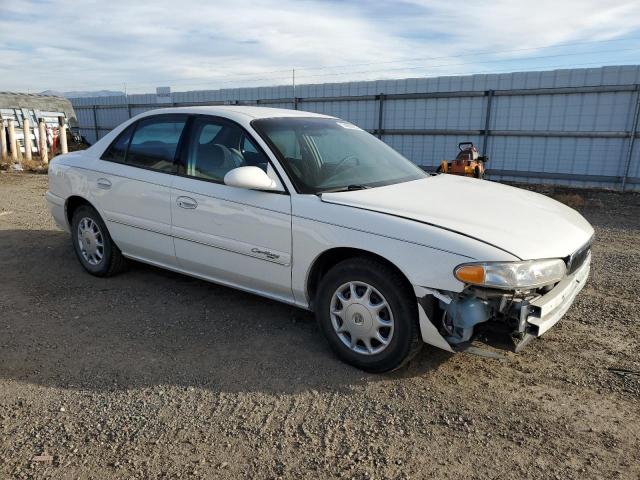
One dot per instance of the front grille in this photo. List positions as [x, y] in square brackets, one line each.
[577, 259]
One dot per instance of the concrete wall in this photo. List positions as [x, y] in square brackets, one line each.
[571, 127]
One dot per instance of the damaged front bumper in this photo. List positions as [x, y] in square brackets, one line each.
[452, 320]
[544, 312]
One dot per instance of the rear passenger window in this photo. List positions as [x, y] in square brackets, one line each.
[118, 149]
[154, 143]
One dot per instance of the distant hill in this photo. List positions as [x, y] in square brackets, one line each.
[83, 94]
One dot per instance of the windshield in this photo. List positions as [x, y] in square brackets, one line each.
[326, 154]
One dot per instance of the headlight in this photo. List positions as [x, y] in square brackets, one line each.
[512, 275]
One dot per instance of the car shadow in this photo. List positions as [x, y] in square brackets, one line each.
[62, 327]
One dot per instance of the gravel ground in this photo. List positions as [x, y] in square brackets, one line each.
[152, 374]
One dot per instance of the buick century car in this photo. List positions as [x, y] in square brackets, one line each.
[313, 211]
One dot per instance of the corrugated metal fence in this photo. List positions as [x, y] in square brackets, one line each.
[573, 127]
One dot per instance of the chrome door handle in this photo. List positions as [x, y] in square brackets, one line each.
[104, 184]
[187, 202]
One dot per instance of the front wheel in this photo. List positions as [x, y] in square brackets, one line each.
[369, 315]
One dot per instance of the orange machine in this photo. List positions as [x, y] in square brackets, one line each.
[468, 162]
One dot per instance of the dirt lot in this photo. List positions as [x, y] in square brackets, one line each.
[156, 375]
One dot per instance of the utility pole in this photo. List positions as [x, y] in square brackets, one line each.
[293, 82]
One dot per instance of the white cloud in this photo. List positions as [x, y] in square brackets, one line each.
[194, 44]
[522, 23]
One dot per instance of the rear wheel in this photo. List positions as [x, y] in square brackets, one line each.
[93, 245]
[368, 314]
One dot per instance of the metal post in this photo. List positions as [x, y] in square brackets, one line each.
[129, 109]
[487, 120]
[95, 121]
[632, 138]
[3, 142]
[380, 114]
[293, 83]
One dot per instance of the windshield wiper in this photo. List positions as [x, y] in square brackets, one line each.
[348, 188]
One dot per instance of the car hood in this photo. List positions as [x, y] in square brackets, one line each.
[523, 223]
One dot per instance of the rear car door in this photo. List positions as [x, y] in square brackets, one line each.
[232, 235]
[133, 187]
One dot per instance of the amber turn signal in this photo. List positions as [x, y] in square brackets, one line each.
[470, 274]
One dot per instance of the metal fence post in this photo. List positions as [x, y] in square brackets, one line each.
[95, 121]
[632, 138]
[487, 120]
[129, 109]
[380, 114]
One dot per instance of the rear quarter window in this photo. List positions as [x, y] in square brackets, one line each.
[117, 151]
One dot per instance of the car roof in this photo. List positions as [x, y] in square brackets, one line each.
[235, 111]
[242, 114]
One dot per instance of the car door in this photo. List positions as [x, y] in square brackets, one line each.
[231, 235]
[133, 187]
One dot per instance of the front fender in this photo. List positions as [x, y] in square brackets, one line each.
[425, 254]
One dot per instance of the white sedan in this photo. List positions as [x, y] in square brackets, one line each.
[311, 210]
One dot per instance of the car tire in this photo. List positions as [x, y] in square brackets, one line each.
[93, 245]
[382, 307]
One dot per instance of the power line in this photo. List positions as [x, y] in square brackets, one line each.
[476, 72]
[489, 52]
[456, 73]
[468, 63]
[486, 52]
[533, 69]
[235, 76]
[373, 71]
[157, 82]
[204, 81]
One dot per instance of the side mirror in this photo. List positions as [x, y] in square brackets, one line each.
[252, 178]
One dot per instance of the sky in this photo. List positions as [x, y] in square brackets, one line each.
[136, 46]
